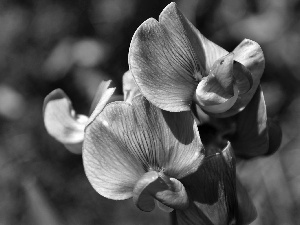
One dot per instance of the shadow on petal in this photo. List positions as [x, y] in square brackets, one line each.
[130, 88]
[251, 138]
[212, 191]
[154, 185]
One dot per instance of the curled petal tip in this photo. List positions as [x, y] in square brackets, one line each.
[62, 122]
[210, 101]
[223, 71]
[169, 192]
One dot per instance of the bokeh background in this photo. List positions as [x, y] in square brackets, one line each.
[74, 45]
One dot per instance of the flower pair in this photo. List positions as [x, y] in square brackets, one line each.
[149, 147]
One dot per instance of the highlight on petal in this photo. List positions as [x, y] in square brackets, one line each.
[130, 89]
[169, 192]
[212, 191]
[206, 51]
[163, 62]
[103, 97]
[104, 92]
[62, 122]
[249, 54]
[217, 92]
[127, 140]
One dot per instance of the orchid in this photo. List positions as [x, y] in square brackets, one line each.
[138, 150]
[64, 124]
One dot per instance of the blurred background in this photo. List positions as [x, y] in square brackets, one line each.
[74, 45]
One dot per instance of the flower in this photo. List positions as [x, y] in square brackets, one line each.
[138, 150]
[64, 124]
[177, 69]
[174, 65]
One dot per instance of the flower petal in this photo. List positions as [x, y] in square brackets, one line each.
[242, 78]
[251, 56]
[102, 91]
[127, 140]
[62, 122]
[163, 62]
[130, 89]
[216, 93]
[251, 138]
[104, 96]
[168, 191]
[212, 191]
[206, 51]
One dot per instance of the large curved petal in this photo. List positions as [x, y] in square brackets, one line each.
[212, 191]
[168, 58]
[127, 140]
[163, 62]
[252, 138]
[206, 51]
[62, 122]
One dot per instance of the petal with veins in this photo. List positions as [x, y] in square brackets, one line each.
[251, 138]
[163, 62]
[212, 191]
[126, 140]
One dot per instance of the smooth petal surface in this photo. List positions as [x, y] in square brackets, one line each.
[251, 56]
[127, 140]
[130, 89]
[246, 211]
[156, 185]
[105, 92]
[252, 138]
[163, 62]
[212, 192]
[104, 96]
[217, 92]
[62, 122]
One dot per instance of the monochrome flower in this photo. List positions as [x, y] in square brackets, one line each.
[63, 123]
[174, 65]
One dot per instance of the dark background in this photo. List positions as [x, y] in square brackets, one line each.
[73, 45]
